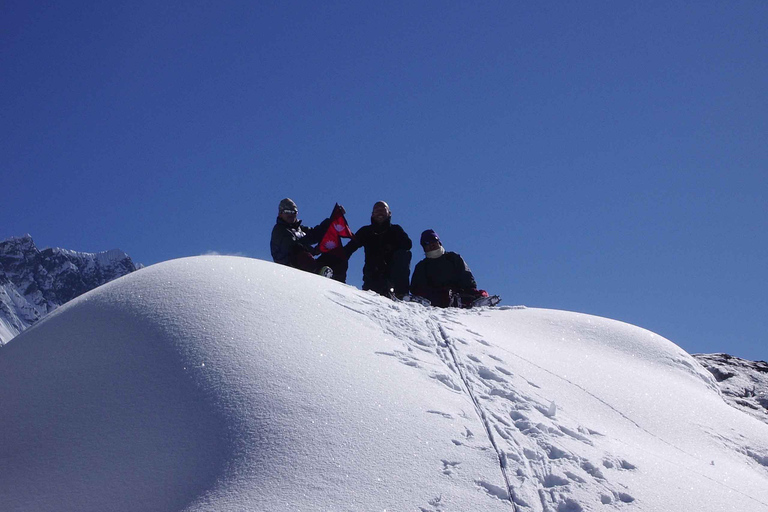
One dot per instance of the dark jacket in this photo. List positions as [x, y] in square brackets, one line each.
[289, 240]
[387, 256]
[434, 278]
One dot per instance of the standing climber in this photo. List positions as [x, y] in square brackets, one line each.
[387, 253]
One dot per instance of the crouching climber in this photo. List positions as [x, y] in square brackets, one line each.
[444, 278]
[296, 246]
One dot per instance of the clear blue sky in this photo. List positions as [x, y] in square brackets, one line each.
[602, 157]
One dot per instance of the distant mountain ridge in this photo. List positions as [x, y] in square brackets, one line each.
[34, 282]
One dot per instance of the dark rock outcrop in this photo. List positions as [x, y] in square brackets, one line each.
[744, 383]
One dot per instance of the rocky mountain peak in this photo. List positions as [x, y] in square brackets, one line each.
[34, 282]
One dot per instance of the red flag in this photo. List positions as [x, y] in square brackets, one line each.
[336, 231]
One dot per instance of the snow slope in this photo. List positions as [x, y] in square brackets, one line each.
[224, 383]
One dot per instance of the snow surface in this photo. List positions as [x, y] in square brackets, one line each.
[222, 383]
[7, 331]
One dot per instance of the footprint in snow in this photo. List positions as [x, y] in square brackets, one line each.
[511, 396]
[443, 414]
[575, 477]
[447, 381]
[569, 505]
[575, 435]
[487, 374]
[554, 481]
[517, 415]
[493, 490]
[592, 470]
[436, 502]
[556, 453]
[623, 497]
[403, 358]
[449, 467]
[500, 419]
[619, 464]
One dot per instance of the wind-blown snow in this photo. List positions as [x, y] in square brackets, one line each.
[224, 383]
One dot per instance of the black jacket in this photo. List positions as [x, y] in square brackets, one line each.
[288, 240]
[434, 277]
[381, 243]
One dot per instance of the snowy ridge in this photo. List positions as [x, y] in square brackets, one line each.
[34, 283]
[223, 383]
[92, 260]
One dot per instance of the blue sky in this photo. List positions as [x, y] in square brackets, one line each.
[601, 157]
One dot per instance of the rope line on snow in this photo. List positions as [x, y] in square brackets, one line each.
[480, 412]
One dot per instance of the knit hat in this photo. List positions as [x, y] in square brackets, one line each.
[430, 236]
[288, 206]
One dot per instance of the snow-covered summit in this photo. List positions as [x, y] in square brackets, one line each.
[223, 383]
[34, 282]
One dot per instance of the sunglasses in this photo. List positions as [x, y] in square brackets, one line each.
[291, 212]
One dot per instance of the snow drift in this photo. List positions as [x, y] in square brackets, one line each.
[224, 383]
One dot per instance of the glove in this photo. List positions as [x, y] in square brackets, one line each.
[343, 211]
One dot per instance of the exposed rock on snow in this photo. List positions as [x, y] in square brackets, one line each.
[744, 383]
[33, 283]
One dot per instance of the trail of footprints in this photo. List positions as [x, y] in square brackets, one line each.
[535, 442]
[545, 470]
[543, 464]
